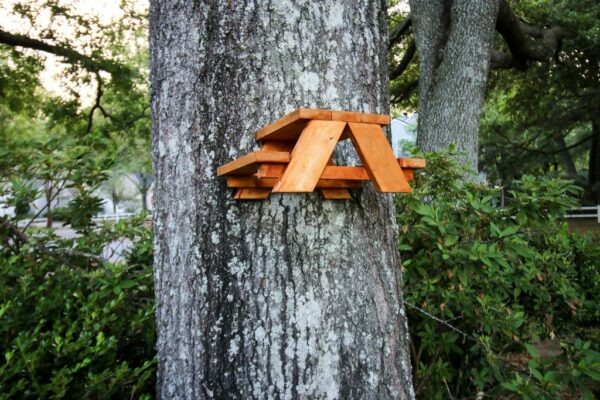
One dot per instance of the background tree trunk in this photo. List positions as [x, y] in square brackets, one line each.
[294, 297]
[454, 41]
[594, 164]
[49, 210]
[567, 159]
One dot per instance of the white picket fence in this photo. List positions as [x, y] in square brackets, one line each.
[103, 217]
[585, 212]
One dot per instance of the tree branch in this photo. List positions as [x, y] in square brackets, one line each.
[406, 59]
[399, 31]
[11, 231]
[525, 42]
[402, 93]
[525, 147]
[70, 55]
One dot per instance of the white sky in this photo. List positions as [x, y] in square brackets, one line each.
[107, 11]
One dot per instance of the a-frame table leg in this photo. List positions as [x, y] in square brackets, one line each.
[310, 156]
[377, 155]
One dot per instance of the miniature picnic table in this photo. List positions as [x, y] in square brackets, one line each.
[296, 156]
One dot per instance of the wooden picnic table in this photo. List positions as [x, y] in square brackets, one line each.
[296, 156]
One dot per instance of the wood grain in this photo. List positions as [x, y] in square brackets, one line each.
[358, 173]
[348, 173]
[252, 194]
[330, 172]
[289, 127]
[336, 194]
[415, 163]
[367, 118]
[376, 153]
[255, 182]
[248, 164]
[310, 156]
[277, 146]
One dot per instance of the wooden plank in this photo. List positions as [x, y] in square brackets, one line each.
[346, 116]
[336, 194]
[255, 182]
[377, 155]
[348, 173]
[271, 170]
[278, 146]
[415, 163]
[378, 119]
[289, 127]
[310, 156]
[250, 182]
[358, 117]
[252, 194]
[330, 172]
[248, 164]
[332, 184]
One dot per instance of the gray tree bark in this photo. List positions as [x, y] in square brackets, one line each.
[454, 41]
[293, 297]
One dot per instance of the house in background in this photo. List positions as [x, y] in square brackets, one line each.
[404, 133]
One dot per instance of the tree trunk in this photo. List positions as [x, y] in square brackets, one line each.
[295, 296]
[49, 216]
[567, 159]
[143, 194]
[594, 164]
[115, 199]
[454, 41]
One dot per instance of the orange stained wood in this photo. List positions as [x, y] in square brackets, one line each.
[277, 146]
[271, 170]
[408, 174]
[248, 164]
[252, 194]
[289, 127]
[310, 156]
[380, 163]
[335, 194]
[331, 172]
[255, 182]
[348, 173]
[416, 163]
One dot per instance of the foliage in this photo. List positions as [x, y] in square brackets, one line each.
[72, 325]
[403, 87]
[75, 320]
[540, 120]
[506, 274]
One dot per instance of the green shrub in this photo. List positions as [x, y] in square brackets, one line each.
[74, 326]
[498, 274]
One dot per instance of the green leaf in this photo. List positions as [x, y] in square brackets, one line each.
[450, 240]
[531, 350]
[551, 376]
[510, 386]
[127, 284]
[425, 210]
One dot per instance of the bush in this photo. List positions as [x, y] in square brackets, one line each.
[72, 325]
[501, 276]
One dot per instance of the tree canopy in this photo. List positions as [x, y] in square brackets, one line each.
[541, 96]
